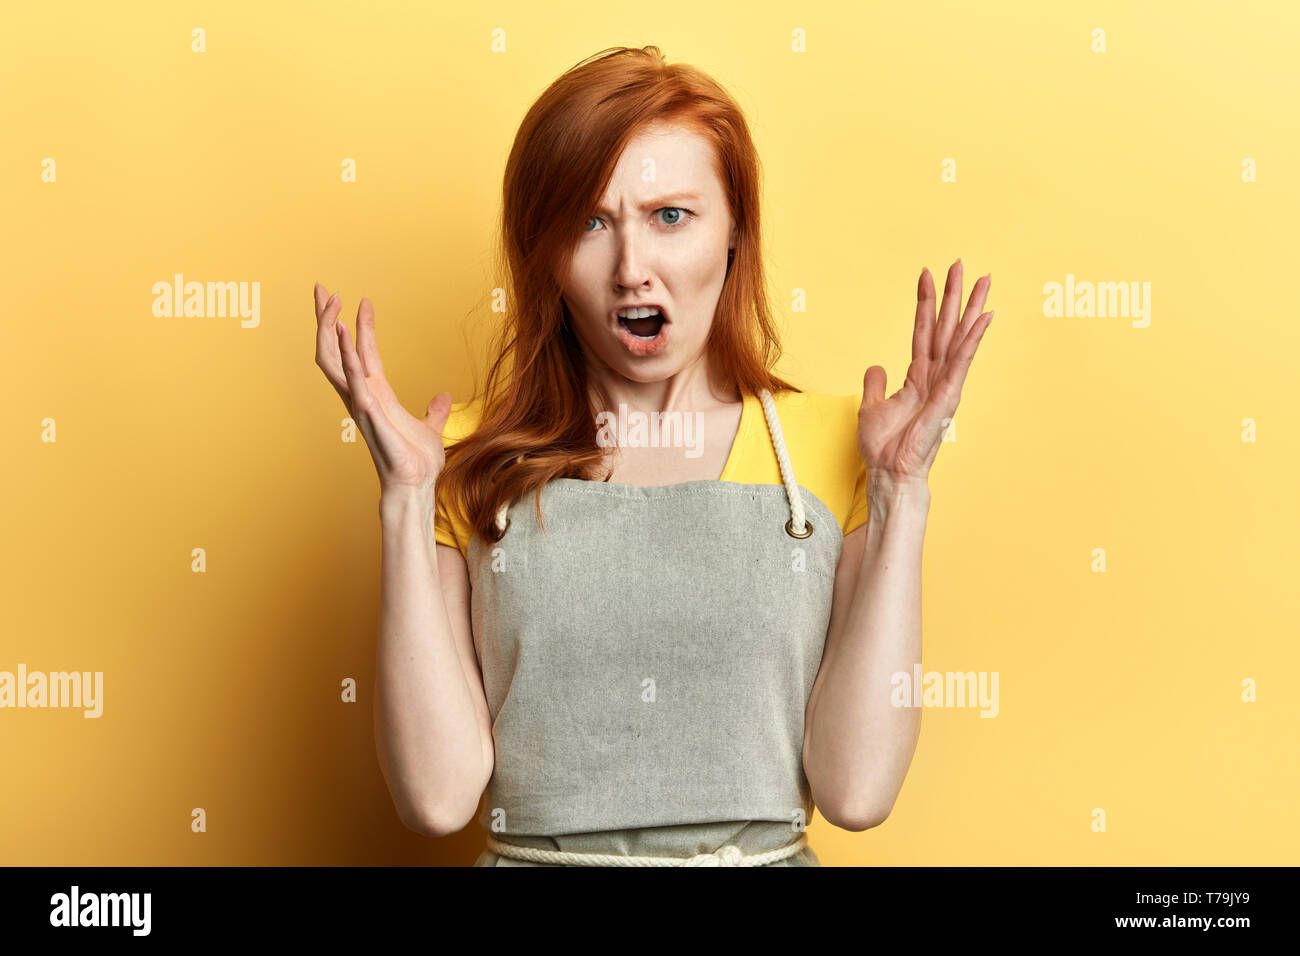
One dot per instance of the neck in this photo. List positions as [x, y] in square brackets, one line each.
[691, 389]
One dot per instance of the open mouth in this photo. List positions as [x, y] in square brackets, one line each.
[644, 326]
[643, 329]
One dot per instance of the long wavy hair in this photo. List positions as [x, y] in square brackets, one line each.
[537, 421]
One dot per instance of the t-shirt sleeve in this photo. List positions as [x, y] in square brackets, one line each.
[443, 532]
[858, 512]
[450, 527]
[858, 509]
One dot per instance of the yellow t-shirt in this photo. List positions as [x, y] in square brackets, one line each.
[820, 431]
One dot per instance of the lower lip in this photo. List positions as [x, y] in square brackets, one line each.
[643, 348]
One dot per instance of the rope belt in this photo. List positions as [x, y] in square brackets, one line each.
[728, 855]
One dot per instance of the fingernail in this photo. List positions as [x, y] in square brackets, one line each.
[331, 298]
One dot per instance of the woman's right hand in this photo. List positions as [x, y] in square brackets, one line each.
[407, 452]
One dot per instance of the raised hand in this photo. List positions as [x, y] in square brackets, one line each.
[899, 437]
[406, 451]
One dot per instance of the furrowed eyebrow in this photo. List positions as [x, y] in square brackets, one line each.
[661, 201]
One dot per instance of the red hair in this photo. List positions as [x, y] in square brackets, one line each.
[537, 398]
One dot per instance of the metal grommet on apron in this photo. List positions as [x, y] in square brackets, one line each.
[647, 661]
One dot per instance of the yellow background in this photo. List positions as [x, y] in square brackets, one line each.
[1119, 690]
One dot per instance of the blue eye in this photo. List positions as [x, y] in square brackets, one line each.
[684, 215]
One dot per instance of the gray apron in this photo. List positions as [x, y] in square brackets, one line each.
[647, 660]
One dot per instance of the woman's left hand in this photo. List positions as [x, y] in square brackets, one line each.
[899, 437]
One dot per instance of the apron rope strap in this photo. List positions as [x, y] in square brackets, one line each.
[729, 855]
[797, 527]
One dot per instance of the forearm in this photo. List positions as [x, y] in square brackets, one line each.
[426, 734]
[856, 744]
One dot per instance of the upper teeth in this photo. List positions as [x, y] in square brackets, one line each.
[643, 312]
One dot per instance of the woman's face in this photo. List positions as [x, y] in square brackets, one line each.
[659, 236]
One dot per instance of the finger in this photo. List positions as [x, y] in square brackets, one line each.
[955, 369]
[368, 347]
[437, 412]
[873, 385]
[974, 306]
[353, 371]
[321, 295]
[948, 310]
[327, 346]
[923, 329]
[366, 412]
[365, 340]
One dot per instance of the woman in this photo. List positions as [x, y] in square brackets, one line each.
[671, 656]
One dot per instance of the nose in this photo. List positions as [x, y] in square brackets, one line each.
[630, 270]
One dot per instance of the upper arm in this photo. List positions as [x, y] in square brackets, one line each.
[846, 580]
[453, 574]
